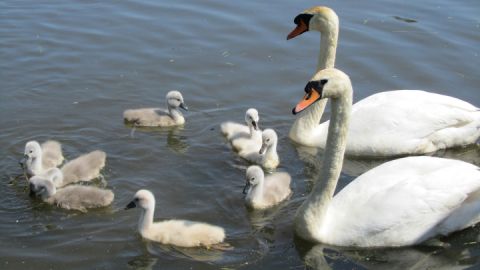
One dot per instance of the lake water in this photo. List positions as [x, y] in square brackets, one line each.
[68, 69]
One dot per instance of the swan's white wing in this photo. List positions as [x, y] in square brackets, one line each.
[408, 122]
[251, 142]
[404, 202]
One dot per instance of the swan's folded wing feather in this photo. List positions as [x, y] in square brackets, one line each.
[410, 121]
[234, 130]
[404, 201]
[84, 168]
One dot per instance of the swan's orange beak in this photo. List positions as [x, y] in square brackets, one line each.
[300, 29]
[307, 100]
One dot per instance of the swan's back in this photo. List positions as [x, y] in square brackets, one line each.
[410, 122]
[78, 197]
[404, 202]
[51, 154]
[184, 233]
[151, 117]
[84, 168]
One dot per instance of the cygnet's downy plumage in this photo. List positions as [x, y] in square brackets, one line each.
[158, 117]
[263, 192]
[267, 156]
[40, 158]
[84, 168]
[182, 233]
[244, 136]
[73, 197]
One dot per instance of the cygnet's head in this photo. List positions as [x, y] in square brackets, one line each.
[175, 100]
[269, 138]
[251, 118]
[143, 198]
[32, 150]
[254, 176]
[322, 19]
[327, 83]
[41, 187]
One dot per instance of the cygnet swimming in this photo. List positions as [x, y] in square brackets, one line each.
[244, 136]
[267, 156]
[73, 197]
[182, 233]
[158, 117]
[263, 192]
[39, 158]
[84, 168]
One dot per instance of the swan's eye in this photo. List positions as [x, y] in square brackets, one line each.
[135, 200]
[252, 179]
[179, 100]
[323, 81]
[268, 140]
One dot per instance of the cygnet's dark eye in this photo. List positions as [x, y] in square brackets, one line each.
[253, 178]
[31, 151]
[179, 100]
[135, 200]
[268, 140]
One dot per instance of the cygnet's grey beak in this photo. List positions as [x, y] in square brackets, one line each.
[254, 124]
[263, 149]
[132, 204]
[245, 189]
[32, 193]
[23, 161]
[183, 106]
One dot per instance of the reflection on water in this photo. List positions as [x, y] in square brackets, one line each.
[454, 255]
[175, 140]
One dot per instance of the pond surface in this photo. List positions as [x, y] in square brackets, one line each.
[68, 69]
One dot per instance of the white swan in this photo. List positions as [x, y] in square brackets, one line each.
[399, 203]
[267, 155]
[39, 158]
[400, 122]
[182, 233]
[264, 192]
[158, 117]
[73, 197]
[84, 168]
[244, 136]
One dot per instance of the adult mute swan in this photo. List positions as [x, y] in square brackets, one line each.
[182, 233]
[399, 203]
[244, 136]
[392, 123]
[157, 117]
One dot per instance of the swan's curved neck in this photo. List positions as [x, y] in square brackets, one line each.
[175, 113]
[305, 123]
[310, 215]
[35, 165]
[146, 218]
[257, 192]
[271, 151]
[328, 48]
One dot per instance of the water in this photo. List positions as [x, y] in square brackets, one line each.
[68, 69]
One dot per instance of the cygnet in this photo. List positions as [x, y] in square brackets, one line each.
[39, 158]
[158, 117]
[182, 233]
[73, 197]
[264, 192]
[267, 156]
